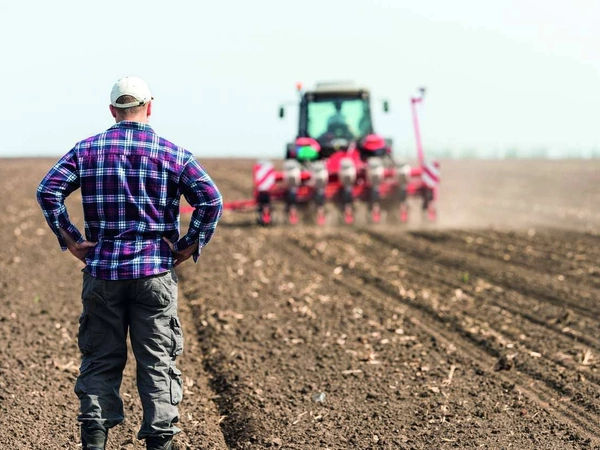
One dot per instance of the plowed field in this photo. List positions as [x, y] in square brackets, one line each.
[481, 331]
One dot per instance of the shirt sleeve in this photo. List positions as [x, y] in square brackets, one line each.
[203, 195]
[58, 183]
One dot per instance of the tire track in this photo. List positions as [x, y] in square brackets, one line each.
[378, 289]
[526, 281]
[574, 258]
[536, 328]
[560, 318]
[523, 303]
[237, 416]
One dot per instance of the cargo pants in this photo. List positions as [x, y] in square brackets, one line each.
[147, 308]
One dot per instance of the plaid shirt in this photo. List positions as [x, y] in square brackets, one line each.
[131, 182]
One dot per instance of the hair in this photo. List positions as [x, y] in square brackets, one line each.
[129, 112]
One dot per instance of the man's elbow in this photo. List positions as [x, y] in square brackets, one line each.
[218, 203]
[219, 209]
[38, 193]
[41, 196]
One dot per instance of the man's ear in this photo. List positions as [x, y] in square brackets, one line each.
[149, 110]
[113, 111]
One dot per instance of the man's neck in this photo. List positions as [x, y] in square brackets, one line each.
[138, 119]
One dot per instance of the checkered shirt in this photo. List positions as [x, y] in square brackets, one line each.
[131, 183]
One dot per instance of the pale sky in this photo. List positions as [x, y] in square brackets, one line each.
[504, 73]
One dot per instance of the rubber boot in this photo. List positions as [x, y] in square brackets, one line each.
[160, 443]
[93, 439]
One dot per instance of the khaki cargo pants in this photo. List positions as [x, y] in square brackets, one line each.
[147, 308]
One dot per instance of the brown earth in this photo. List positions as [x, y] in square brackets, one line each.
[479, 332]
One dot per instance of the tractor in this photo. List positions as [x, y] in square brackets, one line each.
[337, 158]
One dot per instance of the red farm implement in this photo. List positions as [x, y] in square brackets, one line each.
[338, 159]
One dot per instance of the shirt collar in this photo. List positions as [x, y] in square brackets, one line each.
[130, 125]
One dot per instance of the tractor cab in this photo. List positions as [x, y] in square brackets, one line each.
[332, 117]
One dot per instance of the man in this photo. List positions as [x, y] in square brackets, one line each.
[337, 118]
[131, 182]
[337, 123]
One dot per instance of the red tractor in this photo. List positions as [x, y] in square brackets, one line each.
[338, 158]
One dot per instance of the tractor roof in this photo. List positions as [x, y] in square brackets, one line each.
[341, 87]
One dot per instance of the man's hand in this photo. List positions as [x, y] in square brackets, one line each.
[77, 249]
[182, 255]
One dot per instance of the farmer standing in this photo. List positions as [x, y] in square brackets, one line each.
[131, 182]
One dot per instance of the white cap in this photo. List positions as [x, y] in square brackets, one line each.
[134, 86]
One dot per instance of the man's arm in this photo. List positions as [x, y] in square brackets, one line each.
[60, 181]
[78, 249]
[183, 255]
[203, 195]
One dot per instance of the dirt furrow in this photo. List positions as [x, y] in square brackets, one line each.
[572, 254]
[495, 327]
[329, 330]
[529, 282]
[578, 417]
[568, 327]
[557, 318]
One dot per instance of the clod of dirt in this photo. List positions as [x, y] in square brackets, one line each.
[320, 397]
[566, 317]
[505, 362]
[372, 395]
[276, 442]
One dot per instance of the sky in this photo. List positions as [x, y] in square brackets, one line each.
[508, 74]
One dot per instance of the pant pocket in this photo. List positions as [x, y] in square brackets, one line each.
[84, 336]
[157, 290]
[176, 385]
[93, 289]
[177, 337]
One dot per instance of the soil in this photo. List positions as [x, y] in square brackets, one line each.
[479, 331]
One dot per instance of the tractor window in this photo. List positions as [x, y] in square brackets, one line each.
[343, 118]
